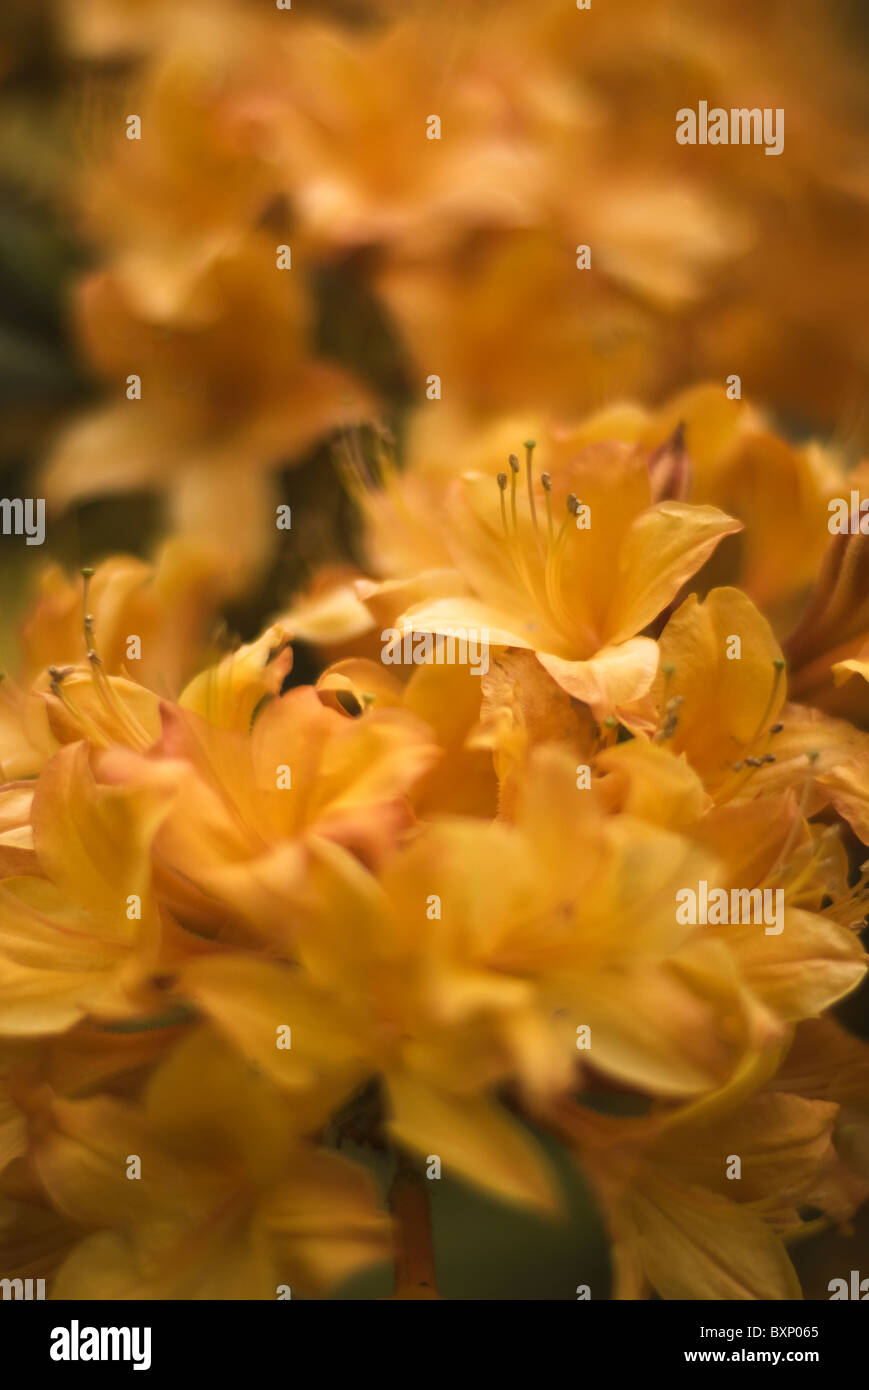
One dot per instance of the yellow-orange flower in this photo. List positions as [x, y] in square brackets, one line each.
[78, 937]
[573, 570]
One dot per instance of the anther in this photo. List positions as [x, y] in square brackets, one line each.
[546, 480]
[514, 463]
[502, 498]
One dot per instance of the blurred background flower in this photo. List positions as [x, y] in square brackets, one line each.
[369, 213]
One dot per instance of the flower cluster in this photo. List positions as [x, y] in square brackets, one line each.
[435, 908]
[424, 177]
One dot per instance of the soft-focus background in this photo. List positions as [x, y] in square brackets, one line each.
[409, 257]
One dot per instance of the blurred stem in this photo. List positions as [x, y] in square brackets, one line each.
[415, 1276]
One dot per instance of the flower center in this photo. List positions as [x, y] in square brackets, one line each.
[539, 568]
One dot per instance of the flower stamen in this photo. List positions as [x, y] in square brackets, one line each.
[111, 703]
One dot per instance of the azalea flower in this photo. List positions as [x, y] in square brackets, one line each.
[289, 399]
[447, 699]
[79, 932]
[171, 605]
[83, 641]
[679, 1226]
[572, 569]
[226, 1210]
[253, 773]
